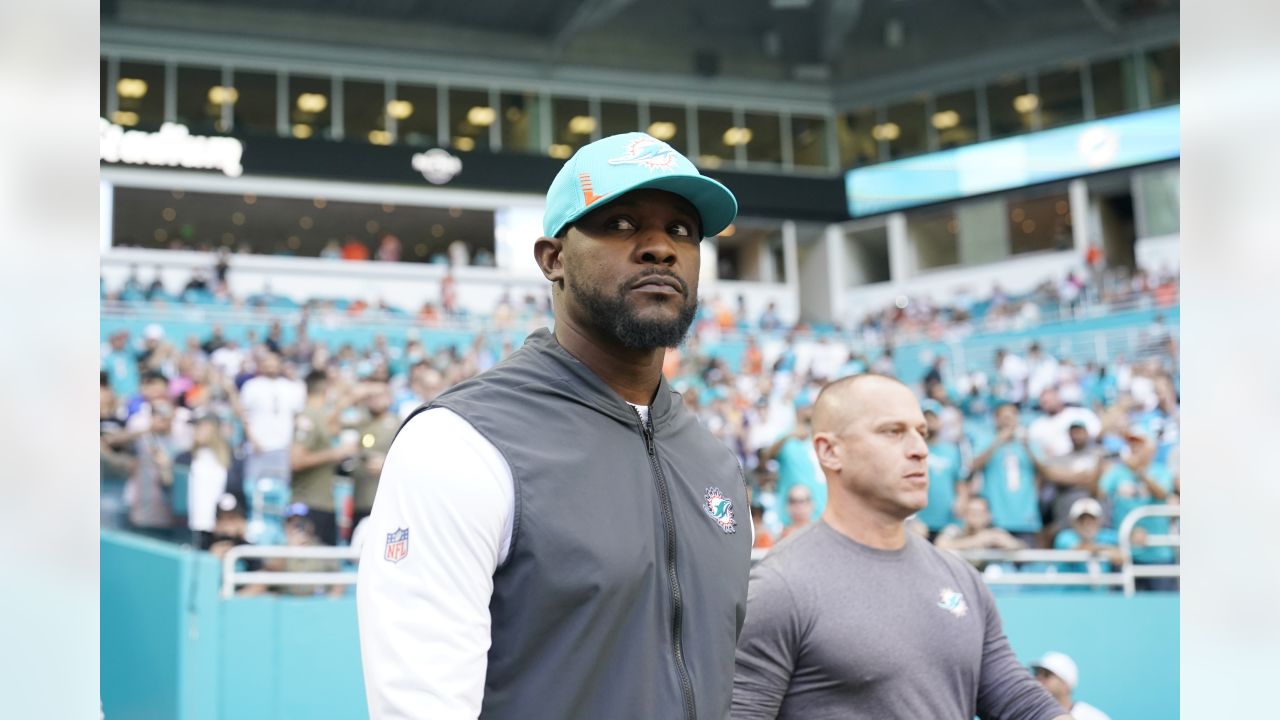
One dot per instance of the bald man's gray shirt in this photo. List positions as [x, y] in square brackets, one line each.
[836, 629]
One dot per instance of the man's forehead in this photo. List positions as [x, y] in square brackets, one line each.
[887, 415]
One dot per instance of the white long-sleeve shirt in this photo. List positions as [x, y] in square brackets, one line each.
[424, 620]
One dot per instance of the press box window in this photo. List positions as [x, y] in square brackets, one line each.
[955, 118]
[1010, 107]
[571, 124]
[809, 141]
[667, 123]
[310, 107]
[201, 97]
[618, 117]
[765, 145]
[470, 116]
[140, 96]
[365, 108]
[855, 132]
[1162, 75]
[1061, 97]
[718, 137]
[255, 107]
[1114, 87]
[521, 121]
[904, 129]
[421, 125]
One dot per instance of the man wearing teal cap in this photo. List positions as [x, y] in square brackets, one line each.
[562, 538]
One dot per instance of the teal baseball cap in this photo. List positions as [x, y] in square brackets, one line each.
[611, 167]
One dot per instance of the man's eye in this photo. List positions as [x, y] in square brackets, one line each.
[621, 223]
[681, 230]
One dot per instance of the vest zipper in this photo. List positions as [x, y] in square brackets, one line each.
[669, 523]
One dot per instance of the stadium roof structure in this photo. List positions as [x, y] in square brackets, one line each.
[841, 47]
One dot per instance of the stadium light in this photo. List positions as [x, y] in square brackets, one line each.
[946, 119]
[399, 109]
[481, 116]
[662, 130]
[886, 131]
[125, 118]
[221, 95]
[132, 88]
[735, 136]
[312, 102]
[582, 125]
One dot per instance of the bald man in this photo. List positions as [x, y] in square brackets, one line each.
[856, 617]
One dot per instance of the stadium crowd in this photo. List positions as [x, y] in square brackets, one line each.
[214, 443]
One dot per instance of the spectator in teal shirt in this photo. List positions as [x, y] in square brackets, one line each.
[121, 365]
[1009, 478]
[1100, 389]
[945, 473]
[1138, 481]
[797, 464]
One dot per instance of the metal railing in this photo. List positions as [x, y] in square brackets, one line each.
[1126, 578]
[1132, 571]
[233, 578]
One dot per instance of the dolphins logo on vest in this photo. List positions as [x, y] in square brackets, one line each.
[720, 508]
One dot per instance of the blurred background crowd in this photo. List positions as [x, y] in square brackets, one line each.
[274, 437]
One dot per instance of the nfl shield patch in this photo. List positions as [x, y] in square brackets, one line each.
[720, 508]
[397, 545]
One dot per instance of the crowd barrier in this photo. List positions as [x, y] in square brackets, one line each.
[177, 646]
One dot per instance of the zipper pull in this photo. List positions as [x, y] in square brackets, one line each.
[647, 431]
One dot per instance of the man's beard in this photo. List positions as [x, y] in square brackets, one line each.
[614, 315]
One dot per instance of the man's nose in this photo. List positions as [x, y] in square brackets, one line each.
[656, 248]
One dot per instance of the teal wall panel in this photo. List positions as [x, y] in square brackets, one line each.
[1126, 648]
[140, 627]
[250, 659]
[321, 674]
[201, 637]
[173, 650]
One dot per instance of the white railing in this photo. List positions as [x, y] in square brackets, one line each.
[1126, 578]
[1093, 576]
[1133, 571]
[233, 578]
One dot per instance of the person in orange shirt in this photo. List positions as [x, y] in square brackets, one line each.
[752, 358]
[353, 249]
[763, 539]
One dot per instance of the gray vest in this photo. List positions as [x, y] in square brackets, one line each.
[626, 583]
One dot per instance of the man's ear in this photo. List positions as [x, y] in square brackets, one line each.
[824, 446]
[546, 252]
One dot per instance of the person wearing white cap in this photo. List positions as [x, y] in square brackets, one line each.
[559, 537]
[1058, 674]
[1086, 533]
